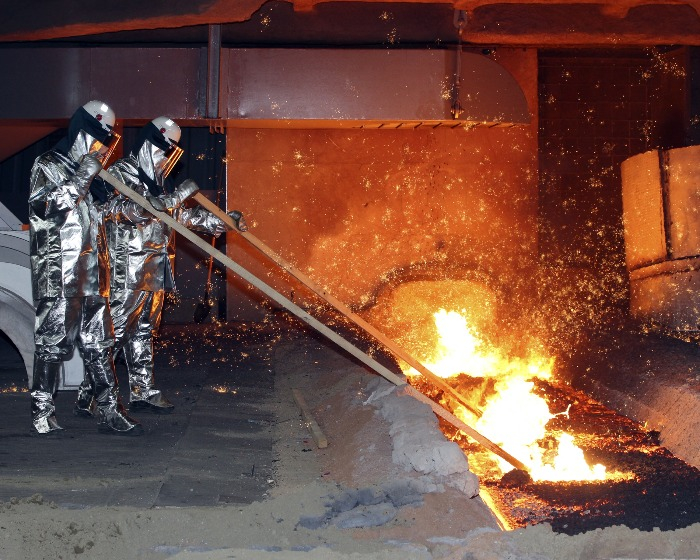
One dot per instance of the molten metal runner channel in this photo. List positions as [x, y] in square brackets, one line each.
[662, 490]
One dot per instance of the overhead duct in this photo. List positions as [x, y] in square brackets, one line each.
[367, 88]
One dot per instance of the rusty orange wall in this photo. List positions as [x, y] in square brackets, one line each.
[352, 207]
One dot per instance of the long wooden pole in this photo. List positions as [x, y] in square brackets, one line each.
[390, 344]
[313, 322]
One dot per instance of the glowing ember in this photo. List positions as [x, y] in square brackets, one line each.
[514, 418]
[225, 389]
[14, 389]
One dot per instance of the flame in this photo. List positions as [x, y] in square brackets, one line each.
[458, 348]
[515, 418]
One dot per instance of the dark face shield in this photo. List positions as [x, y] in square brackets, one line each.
[170, 157]
[104, 150]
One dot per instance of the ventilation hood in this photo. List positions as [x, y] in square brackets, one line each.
[367, 88]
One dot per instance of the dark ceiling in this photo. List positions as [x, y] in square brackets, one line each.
[276, 23]
[340, 23]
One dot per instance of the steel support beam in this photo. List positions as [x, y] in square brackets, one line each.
[326, 88]
[213, 71]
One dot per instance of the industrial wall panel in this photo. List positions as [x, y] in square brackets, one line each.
[140, 83]
[330, 86]
[41, 83]
[671, 300]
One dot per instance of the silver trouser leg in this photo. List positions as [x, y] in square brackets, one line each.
[138, 347]
[97, 333]
[136, 317]
[138, 354]
[97, 340]
[96, 336]
[85, 402]
[127, 307]
[55, 330]
[100, 368]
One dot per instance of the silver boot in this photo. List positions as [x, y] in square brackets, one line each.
[112, 418]
[115, 421]
[45, 426]
[44, 387]
[85, 405]
[144, 397]
[155, 403]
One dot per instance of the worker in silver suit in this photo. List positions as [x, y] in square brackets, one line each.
[70, 271]
[141, 256]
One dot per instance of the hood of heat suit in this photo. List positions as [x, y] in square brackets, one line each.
[70, 275]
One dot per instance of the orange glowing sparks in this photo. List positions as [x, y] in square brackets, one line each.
[224, 389]
[14, 389]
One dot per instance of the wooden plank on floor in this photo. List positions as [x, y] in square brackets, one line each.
[316, 432]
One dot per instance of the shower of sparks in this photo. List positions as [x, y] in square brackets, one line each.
[14, 389]
[392, 37]
[422, 215]
[665, 66]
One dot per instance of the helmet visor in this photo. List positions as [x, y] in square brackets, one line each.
[104, 150]
[172, 156]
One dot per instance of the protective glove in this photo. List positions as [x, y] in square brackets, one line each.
[88, 167]
[237, 217]
[218, 226]
[157, 203]
[184, 191]
[101, 191]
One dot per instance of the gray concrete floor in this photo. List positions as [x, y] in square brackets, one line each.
[215, 448]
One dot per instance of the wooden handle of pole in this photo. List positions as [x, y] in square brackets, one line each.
[388, 343]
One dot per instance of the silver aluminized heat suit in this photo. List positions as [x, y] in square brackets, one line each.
[70, 275]
[141, 255]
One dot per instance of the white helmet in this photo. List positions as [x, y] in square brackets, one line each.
[168, 128]
[102, 113]
[91, 131]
